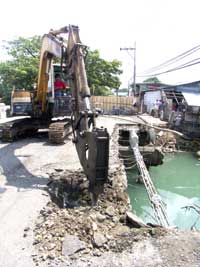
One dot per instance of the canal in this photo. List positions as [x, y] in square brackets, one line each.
[178, 182]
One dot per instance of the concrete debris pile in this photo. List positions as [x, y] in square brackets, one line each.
[65, 234]
[170, 142]
[167, 141]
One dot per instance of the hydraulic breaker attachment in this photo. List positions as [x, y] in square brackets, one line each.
[93, 151]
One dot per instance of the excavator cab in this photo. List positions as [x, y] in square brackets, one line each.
[59, 105]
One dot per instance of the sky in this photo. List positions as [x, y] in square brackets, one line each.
[161, 30]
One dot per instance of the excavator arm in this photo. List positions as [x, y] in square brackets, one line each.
[92, 143]
[51, 48]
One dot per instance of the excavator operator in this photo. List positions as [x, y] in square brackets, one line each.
[59, 86]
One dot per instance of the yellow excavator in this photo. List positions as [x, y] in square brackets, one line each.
[45, 109]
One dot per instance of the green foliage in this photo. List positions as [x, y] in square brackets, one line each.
[103, 76]
[21, 70]
[152, 80]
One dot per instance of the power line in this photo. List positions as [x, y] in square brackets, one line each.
[130, 54]
[172, 60]
[186, 65]
[170, 63]
[191, 61]
[175, 59]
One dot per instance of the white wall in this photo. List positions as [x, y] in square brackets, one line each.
[150, 99]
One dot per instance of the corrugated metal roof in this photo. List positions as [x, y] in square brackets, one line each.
[193, 89]
[192, 99]
[188, 87]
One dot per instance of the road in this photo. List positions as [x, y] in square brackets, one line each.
[24, 169]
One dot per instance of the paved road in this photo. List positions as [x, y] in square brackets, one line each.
[24, 168]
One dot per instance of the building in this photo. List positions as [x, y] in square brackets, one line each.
[179, 105]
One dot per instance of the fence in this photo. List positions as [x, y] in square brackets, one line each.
[114, 105]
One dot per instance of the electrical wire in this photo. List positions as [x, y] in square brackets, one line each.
[191, 61]
[186, 65]
[173, 60]
[129, 54]
[170, 63]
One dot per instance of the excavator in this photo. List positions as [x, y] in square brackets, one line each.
[45, 109]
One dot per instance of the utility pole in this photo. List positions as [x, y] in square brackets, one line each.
[134, 75]
[128, 88]
[134, 59]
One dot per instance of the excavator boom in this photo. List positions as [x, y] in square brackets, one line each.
[92, 143]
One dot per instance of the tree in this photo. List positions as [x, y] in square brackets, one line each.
[22, 68]
[152, 80]
[103, 76]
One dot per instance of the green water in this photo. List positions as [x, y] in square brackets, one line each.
[178, 183]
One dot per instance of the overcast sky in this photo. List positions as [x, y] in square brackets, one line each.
[161, 29]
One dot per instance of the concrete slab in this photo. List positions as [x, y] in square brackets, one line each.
[152, 120]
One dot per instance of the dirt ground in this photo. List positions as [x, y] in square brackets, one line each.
[25, 167]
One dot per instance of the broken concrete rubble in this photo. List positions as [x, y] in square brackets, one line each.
[110, 211]
[99, 239]
[71, 245]
[135, 220]
[93, 226]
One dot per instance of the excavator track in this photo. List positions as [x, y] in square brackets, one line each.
[7, 133]
[14, 129]
[58, 131]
